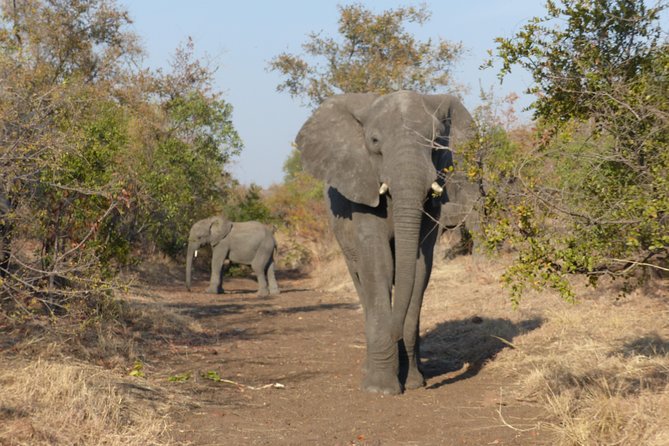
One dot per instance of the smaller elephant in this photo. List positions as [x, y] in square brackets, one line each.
[249, 243]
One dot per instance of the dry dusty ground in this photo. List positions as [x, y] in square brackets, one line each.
[290, 366]
[236, 369]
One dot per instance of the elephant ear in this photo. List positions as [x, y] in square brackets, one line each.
[458, 124]
[332, 143]
[219, 229]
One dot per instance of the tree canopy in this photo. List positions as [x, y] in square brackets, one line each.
[373, 53]
[100, 159]
[593, 195]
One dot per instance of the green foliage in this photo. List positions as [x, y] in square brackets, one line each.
[247, 204]
[211, 375]
[592, 195]
[374, 54]
[180, 377]
[583, 55]
[183, 174]
[298, 205]
[137, 369]
[292, 167]
[101, 160]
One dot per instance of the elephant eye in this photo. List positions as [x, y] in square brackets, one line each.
[373, 142]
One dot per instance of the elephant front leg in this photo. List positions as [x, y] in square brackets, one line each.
[259, 269]
[218, 255]
[381, 374]
[375, 282]
[414, 376]
[410, 357]
[411, 335]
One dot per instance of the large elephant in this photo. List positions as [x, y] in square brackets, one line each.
[382, 159]
[249, 243]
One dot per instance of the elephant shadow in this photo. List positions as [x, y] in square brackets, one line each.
[460, 348]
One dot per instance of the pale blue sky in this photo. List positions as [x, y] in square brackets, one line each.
[240, 37]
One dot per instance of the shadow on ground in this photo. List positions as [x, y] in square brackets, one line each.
[264, 306]
[198, 323]
[466, 345]
[652, 345]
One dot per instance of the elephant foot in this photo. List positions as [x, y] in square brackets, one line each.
[384, 382]
[415, 379]
[274, 292]
[211, 290]
[263, 293]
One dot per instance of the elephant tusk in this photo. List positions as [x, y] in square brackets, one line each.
[383, 189]
[195, 253]
[438, 190]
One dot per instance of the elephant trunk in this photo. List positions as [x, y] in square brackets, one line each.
[192, 247]
[408, 196]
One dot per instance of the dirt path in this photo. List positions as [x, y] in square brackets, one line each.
[296, 359]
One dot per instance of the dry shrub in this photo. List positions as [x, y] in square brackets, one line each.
[333, 276]
[600, 368]
[51, 403]
[128, 329]
[306, 255]
[57, 400]
[596, 372]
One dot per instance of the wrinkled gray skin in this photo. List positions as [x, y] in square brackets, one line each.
[249, 243]
[5, 236]
[354, 143]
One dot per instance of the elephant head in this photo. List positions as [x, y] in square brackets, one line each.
[210, 230]
[365, 145]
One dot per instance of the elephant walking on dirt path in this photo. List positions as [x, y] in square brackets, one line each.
[382, 158]
[248, 243]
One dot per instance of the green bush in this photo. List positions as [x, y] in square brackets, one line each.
[592, 195]
[107, 161]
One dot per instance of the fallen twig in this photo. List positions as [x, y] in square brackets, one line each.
[246, 386]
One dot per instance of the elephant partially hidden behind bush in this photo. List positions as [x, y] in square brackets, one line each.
[462, 212]
[248, 243]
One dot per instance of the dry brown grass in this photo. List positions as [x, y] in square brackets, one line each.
[598, 369]
[595, 372]
[601, 370]
[333, 276]
[55, 403]
[65, 382]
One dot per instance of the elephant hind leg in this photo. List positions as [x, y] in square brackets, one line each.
[259, 269]
[273, 285]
